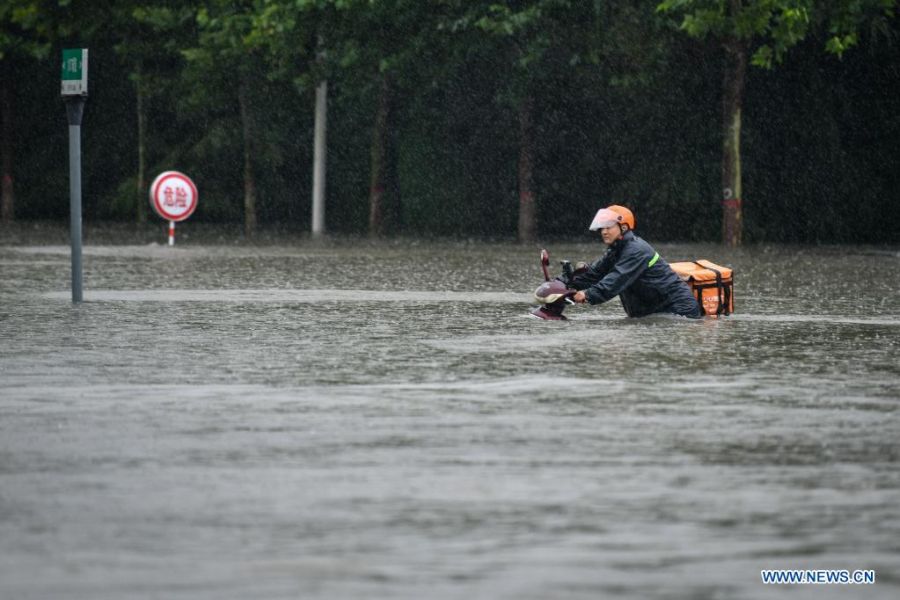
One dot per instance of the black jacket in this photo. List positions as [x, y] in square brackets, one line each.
[634, 271]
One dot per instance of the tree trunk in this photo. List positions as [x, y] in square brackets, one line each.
[379, 162]
[733, 96]
[320, 133]
[7, 193]
[142, 190]
[249, 145]
[527, 204]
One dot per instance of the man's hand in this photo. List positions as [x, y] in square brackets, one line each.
[580, 297]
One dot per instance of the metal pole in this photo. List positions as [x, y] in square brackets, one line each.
[74, 112]
[318, 200]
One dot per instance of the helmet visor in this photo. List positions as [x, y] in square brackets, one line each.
[605, 218]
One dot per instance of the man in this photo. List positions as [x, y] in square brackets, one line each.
[632, 270]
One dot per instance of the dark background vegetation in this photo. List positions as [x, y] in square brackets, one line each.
[632, 116]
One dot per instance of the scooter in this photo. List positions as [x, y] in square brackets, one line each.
[554, 294]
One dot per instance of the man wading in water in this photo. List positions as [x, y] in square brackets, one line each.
[632, 270]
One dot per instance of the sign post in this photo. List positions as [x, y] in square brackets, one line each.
[174, 197]
[74, 91]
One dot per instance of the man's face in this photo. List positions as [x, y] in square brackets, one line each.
[610, 234]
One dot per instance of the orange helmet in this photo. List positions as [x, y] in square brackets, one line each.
[612, 215]
[627, 215]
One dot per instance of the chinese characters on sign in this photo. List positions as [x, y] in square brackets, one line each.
[175, 197]
[74, 72]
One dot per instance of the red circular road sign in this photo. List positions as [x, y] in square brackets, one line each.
[173, 196]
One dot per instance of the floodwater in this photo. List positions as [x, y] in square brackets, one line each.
[349, 419]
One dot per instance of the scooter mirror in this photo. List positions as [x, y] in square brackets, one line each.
[545, 262]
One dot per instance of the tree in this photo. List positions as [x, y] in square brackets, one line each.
[29, 29]
[23, 35]
[535, 38]
[379, 47]
[376, 45]
[228, 62]
[140, 25]
[292, 36]
[762, 31]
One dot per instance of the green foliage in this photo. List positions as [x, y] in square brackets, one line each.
[532, 34]
[626, 109]
[28, 29]
[776, 25]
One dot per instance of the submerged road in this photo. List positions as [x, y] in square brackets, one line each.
[365, 420]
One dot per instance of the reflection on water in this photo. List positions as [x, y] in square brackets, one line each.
[347, 419]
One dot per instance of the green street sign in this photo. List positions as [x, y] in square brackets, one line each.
[75, 72]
